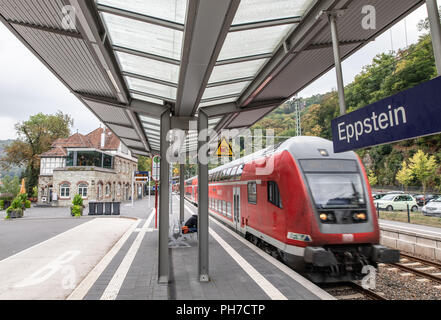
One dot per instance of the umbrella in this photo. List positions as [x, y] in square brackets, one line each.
[23, 187]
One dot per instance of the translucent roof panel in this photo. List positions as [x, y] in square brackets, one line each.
[144, 98]
[148, 67]
[141, 36]
[265, 10]
[171, 10]
[236, 70]
[252, 42]
[152, 88]
[150, 120]
[228, 89]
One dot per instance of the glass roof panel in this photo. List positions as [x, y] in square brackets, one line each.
[264, 10]
[236, 70]
[150, 126]
[144, 98]
[254, 41]
[228, 89]
[148, 67]
[151, 120]
[141, 36]
[171, 10]
[152, 88]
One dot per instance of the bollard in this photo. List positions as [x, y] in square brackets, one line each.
[378, 210]
[408, 214]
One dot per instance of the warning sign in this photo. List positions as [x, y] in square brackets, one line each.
[224, 149]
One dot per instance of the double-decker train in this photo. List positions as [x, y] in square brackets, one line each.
[304, 204]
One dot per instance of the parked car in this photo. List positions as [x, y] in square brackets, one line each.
[433, 208]
[423, 200]
[391, 202]
[377, 196]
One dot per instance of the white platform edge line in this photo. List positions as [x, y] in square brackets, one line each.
[50, 239]
[260, 280]
[114, 286]
[83, 288]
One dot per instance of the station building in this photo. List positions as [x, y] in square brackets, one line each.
[97, 166]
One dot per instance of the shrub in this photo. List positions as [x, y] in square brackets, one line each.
[2, 204]
[77, 210]
[27, 204]
[77, 200]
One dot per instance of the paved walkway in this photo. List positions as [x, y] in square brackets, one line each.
[53, 268]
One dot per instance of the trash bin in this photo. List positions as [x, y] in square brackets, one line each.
[92, 208]
[99, 208]
[108, 208]
[116, 208]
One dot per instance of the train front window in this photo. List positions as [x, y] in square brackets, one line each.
[331, 190]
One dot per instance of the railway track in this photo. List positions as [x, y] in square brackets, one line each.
[421, 267]
[351, 291]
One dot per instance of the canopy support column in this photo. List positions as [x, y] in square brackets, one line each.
[164, 198]
[337, 58]
[435, 31]
[181, 193]
[203, 197]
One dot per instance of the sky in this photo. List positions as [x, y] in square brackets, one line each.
[28, 87]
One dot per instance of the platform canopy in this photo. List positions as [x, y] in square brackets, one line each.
[129, 61]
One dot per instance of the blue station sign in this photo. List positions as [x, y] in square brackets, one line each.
[409, 114]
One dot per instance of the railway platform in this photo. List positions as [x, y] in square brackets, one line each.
[238, 270]
[410, 238]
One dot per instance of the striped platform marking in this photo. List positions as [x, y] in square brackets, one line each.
[115, 284]
[261, 281]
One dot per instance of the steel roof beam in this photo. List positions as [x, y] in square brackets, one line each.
[208, 23]
[72, 34]
[150, 95]
[244, 59]
[296, 41]
[230, 108]
[147, 55]
[140, 17]
[145, 78]
[265, 24]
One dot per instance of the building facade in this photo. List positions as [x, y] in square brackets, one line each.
[96, 166]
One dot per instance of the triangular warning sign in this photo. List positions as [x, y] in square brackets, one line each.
[224, 149]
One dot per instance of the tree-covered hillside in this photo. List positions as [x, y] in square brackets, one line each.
[388, 74]
[13, 171]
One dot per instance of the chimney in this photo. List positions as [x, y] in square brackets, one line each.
[103, 138]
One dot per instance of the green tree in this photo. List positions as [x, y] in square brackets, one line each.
[144, 163]
[373, 180]
[404, 175]
[423, 168]
[10, 185]
[35, 136]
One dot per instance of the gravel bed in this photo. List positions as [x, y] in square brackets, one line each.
[393, 286]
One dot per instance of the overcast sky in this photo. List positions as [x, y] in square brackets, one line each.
[28, 87]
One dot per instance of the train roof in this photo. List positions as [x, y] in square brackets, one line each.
[302, 147]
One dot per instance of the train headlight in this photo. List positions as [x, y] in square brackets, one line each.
[327, 217]
[359, 216]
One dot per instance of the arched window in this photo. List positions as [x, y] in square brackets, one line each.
[100, 190]
[108, 190]
[118, 190]
[82, 190]
[65, 190]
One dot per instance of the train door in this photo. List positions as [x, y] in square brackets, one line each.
[236, 207]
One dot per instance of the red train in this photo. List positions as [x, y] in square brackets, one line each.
[314, 210]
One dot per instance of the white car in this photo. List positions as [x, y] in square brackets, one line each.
[391, 202]
[432, 208]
